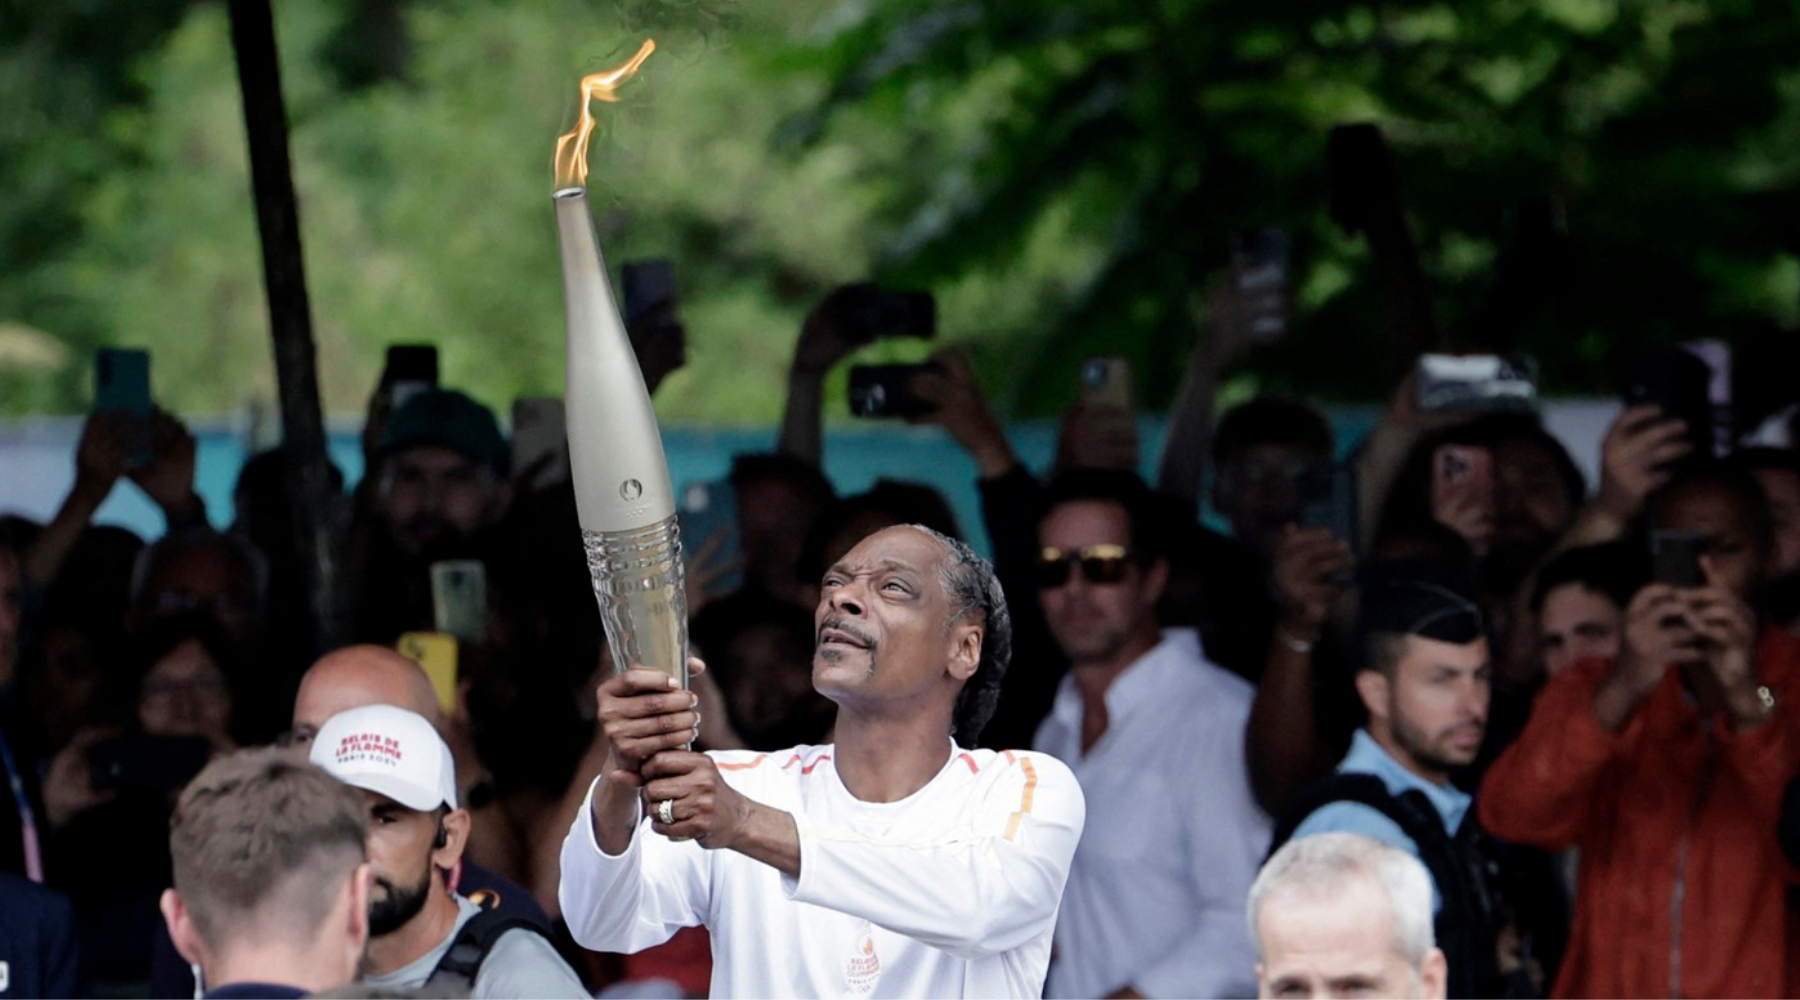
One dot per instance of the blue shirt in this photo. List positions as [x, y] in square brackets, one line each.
[1367, 757]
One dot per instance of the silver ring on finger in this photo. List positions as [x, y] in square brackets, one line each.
[665, 811]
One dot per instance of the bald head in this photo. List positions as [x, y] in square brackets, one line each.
[361, 675]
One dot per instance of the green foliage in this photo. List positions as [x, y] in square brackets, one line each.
[1663, 131]
[1064, 176]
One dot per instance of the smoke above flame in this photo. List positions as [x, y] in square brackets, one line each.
[572, 146]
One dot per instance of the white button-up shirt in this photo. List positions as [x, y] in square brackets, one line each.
[1157, 894]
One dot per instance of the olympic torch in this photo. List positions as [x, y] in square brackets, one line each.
[622, 491]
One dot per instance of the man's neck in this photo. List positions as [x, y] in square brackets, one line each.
[885, 758]
[1094, 677]
[313, 969]
[426, 930]
[1385, 739]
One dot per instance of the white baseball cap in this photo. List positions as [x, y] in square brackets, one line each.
[390, 751]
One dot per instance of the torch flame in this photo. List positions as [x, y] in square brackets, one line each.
[572, 146]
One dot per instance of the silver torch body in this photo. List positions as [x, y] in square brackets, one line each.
[622, 490]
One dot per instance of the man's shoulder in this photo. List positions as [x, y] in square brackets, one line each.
[1201, 681]
[1350, 816]
[523, 963]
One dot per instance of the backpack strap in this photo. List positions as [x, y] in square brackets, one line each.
[456, 971]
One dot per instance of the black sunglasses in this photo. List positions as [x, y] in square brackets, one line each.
[1104, 563]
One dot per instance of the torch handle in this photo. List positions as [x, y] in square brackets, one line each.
[642, 588]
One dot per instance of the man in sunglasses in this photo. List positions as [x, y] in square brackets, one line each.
[1154, 732]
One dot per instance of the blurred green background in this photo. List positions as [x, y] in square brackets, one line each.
[1065, 177]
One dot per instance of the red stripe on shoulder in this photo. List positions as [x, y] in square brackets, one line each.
[806, 767]
[966, 759]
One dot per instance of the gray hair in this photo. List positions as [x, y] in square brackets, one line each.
[1326, 864]
[972, 587]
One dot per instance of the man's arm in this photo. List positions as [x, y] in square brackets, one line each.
[1544, 787]
[979, 887]
[602, 893]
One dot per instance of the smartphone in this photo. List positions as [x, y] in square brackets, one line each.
[1679, 384]
[1475, 383]
[879, 391]
[1106, 381]
[540, 442]
[459, 599]
[872, 312]
[1460, 470]
[435, 653]
[1260, 257]
[410, 370]
[1360, 173]
[1328, 500]
[148, 763]
[647, 284]
[1675, 557]
[122, 385]
[709, 533]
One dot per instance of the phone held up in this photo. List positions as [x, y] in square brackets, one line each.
[1260, 259]
[879, 391]
[1470, 383]
[1107, 382]
[122, 386]
[410, 370]
[1675, 557]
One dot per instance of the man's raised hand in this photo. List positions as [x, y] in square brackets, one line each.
[644, 712]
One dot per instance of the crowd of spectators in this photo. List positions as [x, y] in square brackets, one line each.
[1573, 707]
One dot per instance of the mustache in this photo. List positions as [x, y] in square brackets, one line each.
[837, 624]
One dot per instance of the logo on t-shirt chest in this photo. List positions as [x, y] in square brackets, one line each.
[863, 970]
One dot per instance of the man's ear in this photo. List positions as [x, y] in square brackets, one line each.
[456, 837]
[1373, 686]
[965, 650]
[1434, 975]
[181, 928]
[362, 882]
[1156, 580]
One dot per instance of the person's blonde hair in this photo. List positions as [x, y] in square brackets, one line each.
[263, 840]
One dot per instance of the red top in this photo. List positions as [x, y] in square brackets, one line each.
[1682, 886]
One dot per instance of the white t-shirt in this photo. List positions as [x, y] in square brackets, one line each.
[950, 892]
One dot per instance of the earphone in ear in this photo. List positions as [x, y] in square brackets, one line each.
[443, 836]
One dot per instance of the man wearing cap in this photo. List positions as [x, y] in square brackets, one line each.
[420, 931]
[439, 483]
[443, 470]
[1154, 731]
[1424, 679]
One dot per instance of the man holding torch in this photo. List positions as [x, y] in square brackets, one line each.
[892, 863]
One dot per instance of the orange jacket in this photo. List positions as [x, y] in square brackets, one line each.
[1682, 886]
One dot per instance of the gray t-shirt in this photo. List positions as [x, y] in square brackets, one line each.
[520, 964]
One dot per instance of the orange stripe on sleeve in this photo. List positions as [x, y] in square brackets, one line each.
[1012, 824]
[746, 765]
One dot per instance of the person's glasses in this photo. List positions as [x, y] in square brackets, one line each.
[1099, 564]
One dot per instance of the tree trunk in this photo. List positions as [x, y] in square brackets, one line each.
[290, 321]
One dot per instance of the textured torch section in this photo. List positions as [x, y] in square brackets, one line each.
[639, 581]
[622, 491]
